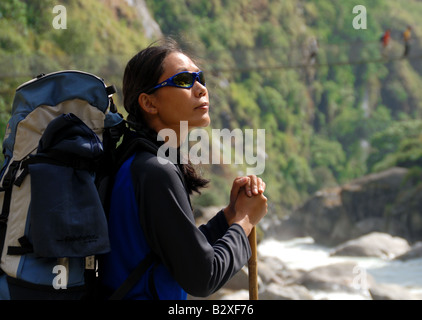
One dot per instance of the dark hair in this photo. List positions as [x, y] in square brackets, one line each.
[141, 75]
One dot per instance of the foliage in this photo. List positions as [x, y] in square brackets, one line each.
[320, 130]
[353, 113]
[398, 144]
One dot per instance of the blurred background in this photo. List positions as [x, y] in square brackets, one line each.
[341, 106]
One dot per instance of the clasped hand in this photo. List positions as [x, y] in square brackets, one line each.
[248, 205]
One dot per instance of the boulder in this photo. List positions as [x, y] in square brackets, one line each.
[384, 291]
[270, 273]
[235, 295]
[272, 269]
[321, 217]
[289, 292]
[240, 281]
[374, 244]
[414, 252]
[346, 276]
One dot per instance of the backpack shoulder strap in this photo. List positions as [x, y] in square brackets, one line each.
[132, 145]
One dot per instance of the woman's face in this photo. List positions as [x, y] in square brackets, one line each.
[174, 104]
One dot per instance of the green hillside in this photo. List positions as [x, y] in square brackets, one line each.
[99, 38]
[356, 109]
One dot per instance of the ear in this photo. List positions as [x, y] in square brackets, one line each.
[146, 102]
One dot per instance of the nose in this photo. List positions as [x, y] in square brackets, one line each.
[199, 89]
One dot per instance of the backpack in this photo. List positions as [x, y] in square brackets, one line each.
[60, 138]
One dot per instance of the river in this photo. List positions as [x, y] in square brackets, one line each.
[303, 253]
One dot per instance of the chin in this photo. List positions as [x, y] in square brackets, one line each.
[205, 122]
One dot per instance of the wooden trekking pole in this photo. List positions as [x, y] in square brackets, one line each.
[253, 267]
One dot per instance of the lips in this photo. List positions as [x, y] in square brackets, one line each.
[204, 105]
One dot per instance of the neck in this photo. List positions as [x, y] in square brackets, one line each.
[175, 135]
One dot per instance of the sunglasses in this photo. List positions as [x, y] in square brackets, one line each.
[183, 79]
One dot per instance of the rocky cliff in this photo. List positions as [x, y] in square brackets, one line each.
[389, 201]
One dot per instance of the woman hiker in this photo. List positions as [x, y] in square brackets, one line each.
[150, 208]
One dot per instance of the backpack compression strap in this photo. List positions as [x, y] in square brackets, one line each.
[134, 277]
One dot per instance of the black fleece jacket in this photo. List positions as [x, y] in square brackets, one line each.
[200, 259]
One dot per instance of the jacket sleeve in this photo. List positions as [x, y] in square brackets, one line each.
[200, 260]
[215, 228]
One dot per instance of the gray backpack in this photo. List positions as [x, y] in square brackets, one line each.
[52, 221]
